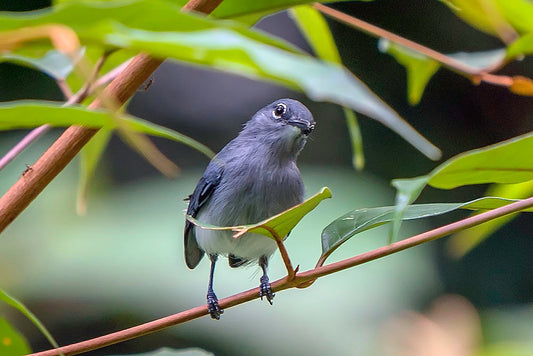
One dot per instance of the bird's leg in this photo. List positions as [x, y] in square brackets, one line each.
[212, 300]
[265, 290]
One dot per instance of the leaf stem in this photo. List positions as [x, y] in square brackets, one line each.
[300, 280]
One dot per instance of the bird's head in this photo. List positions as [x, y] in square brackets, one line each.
[285, 123]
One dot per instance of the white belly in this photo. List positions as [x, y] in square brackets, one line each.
[250, 246]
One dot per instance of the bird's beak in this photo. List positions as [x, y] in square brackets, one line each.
[303, 125]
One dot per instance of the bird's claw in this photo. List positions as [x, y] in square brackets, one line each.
[212, 306]
[265, 290]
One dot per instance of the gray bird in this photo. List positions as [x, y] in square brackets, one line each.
[252, 178]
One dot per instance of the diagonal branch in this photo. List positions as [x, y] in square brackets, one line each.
[474, 74]
[67, 146]
[300, 280]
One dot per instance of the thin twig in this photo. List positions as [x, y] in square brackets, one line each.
[27, 140]
[379, 32]
[38, 132]
[474, 74]
[112, 74]
[299, 279]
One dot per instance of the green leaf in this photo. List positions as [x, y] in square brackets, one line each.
[505, 162]
[21, 308]
[493, 16]
[250, 12]
[220, 45]
[356, 221]
[90, 155]
[419, 68]
[521, 47]
[465, 241]
[407, 190]
[12, 343]
[97, 22]
[29, 114]
[54, 63]
[358, 156]
[316, 30]
[506, 348]
[277, 226]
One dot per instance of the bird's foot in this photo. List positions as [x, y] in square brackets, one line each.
[213, 307]
[265, 290]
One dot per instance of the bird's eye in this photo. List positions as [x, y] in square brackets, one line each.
[280, 110]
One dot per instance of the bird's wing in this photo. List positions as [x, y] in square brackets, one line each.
[206, 186]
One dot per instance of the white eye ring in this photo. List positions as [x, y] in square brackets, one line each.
[280, 110]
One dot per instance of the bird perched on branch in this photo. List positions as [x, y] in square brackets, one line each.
[252, 178]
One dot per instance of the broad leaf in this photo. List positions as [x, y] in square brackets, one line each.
[494, 16]
[28, 314]
[464, 241]
[277, 226]
[250, 12]
[220, 45]
[521, 47]
[29, 114]
[97, 22]
[419, 68]
[54, 63]
[354, 222]
[12, 343]
[407, 190]
[90, 156]
[316, 30]
[505, 162]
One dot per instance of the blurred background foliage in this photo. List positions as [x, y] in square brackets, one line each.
[122, 263]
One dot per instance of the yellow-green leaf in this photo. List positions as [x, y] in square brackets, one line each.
[505, 162]
[22, 308]
[493, 16]
[12, 343]
[419, 68]
[277, 226]
[465, 241]
[343, 228]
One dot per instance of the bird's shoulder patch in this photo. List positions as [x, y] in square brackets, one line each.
[205, 188]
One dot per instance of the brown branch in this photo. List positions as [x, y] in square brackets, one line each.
[474, 74]
[379, 32]
[65, 148]
[299, 280]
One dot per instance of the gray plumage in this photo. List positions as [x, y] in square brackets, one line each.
[252, 178]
